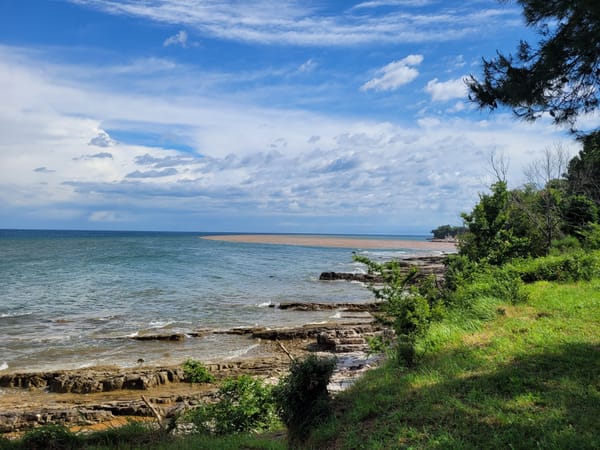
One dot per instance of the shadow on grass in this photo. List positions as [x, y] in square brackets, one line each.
[548, 399]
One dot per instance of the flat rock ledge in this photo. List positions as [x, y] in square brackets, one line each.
[92, 396]
[427, 265]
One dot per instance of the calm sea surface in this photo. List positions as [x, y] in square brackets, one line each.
[75, 298]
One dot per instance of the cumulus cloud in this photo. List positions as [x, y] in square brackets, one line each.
[442, 91]
[362, 170]
[395, 74]
[101, 155]
[153, 173]
[181, 39]
[165, 161]
[43, 170]
[102, 140]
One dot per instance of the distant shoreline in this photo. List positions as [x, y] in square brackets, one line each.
[334, 241]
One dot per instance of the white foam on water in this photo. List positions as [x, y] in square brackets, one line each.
[264, 304]
[241, 352]
[4, 365]
[85, 365]
[15, 314]
[161, 323]
[337, 315]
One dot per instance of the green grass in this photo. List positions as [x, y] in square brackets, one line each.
[528, 378]
[136, 436]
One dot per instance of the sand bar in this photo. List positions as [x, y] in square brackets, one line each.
[335, 241]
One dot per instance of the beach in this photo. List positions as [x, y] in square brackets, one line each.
[336, 241]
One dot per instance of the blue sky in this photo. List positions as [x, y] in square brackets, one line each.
[254, 116]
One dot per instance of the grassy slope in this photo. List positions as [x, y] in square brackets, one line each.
[529, 378]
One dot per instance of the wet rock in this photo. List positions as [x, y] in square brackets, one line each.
[350, 276]
[427, 265]
[90, 381]
[177, 337]
[18, 420]
[309, 306]
[342, 341]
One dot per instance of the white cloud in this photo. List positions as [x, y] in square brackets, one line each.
[102, 140]
[380, 3]
[180, 39]
[395, 74]
[290, 22]
[442, 91]
[370, 169]
[307, 66]
[107, 216]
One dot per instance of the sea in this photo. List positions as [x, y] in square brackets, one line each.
[76, 299]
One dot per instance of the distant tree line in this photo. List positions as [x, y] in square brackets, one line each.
[447, 231]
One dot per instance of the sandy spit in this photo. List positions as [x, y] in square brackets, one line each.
[333, 241]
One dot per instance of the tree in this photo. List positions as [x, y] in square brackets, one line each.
[583, 171]
[579, 212]
[560, 76]
[491, 235]
[545, 179]
[447, 231]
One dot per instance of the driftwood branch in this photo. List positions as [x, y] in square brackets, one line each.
[286, 351]
[158, 416]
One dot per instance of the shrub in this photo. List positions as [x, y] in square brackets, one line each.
[591, 237]
[302, 398]
[407, 307]
[245, 404]
[50, 437]
[483, 281]
[195, 372]
[567, 267]
[134, 433]
[568, 244]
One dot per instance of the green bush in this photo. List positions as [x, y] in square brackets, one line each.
[195, 372]
[134, 433]
[591, 237]
[408, 306]
[302, 398]
[568, 267]
[483, 281]
[568, 244]
[245, 404]
[50, 437]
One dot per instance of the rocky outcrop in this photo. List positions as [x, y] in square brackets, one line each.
[90, 381]
[17, 420]
[26, 418]
[305, 331]
[308, 306]
[427, 265]
[350, 276]
[160, 337]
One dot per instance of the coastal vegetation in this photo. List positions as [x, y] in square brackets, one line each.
[196, 372]
[447, 231]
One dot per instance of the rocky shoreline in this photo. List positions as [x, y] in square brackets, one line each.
[102, 396]
[94, 396]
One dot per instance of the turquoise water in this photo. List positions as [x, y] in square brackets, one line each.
[74, 299]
